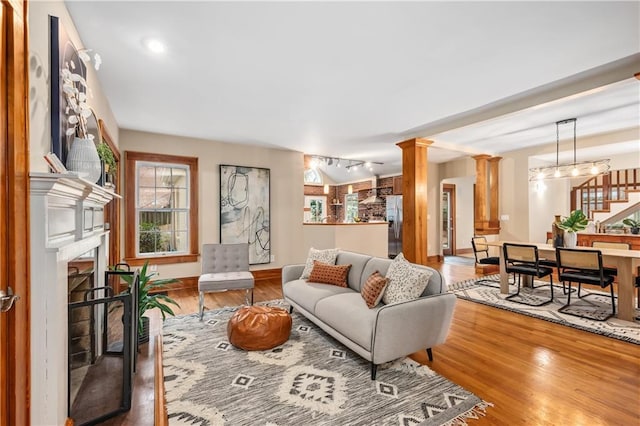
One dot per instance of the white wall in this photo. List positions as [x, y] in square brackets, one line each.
[39, 78]
[287, 191]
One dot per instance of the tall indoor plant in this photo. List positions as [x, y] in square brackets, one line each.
[148, 299]
[576, 221]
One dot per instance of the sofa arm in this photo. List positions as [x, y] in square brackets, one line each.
[404, 328]
[291, 272]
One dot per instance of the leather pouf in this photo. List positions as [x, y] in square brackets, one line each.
[257, 328]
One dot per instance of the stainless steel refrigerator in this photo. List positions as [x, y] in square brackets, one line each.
[394, 217]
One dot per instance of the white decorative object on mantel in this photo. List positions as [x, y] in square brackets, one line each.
[67, 220]
[83, 158]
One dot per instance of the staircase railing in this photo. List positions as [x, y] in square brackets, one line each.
[596, 193]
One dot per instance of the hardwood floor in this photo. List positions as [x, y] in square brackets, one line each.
[533, 371]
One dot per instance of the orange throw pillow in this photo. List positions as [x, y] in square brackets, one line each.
[373, 289]
[329, 274]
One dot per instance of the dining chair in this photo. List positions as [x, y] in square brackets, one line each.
[225, 267]
[583, 267]
[610, 270]
[523, 259]
[481, 253]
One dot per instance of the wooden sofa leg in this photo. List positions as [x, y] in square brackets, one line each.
[290, 309]
[374, 370]
[430, 354]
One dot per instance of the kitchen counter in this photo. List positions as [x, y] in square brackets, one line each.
[363, 237]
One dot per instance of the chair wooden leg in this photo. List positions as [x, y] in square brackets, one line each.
[374, 371]
[290, 309]
[430, 354]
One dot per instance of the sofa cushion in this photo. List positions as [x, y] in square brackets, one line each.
[357, 261]
[349, 314]
[406, 282]
[329, 274]
[307, 294]
[373, 289]
[325, 256]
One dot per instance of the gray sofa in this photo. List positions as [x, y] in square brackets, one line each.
[381, 334]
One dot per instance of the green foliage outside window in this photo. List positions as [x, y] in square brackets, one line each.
[152, 240]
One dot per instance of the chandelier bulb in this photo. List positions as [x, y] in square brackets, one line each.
[557, 173]
[594, 170]
[574, 172]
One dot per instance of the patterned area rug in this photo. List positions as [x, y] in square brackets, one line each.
[596, 305]
[310, 380]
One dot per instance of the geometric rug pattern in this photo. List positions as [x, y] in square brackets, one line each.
[311, 379]
[596, 305]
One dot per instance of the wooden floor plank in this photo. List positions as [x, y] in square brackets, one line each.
[534, 372]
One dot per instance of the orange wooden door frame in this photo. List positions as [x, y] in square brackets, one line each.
[14, 213]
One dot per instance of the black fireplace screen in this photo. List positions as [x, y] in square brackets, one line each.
[101, 353]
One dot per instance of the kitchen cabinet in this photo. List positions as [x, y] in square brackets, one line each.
[397, 185]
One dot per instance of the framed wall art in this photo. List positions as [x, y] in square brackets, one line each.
[244, 210]
[63, 53]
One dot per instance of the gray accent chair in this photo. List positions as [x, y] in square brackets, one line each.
[225, 267]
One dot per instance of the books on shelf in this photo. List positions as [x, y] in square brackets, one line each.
[54, 163]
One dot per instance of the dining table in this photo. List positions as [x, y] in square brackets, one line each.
[627, 263]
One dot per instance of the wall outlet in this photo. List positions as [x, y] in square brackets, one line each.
[273, 258]
[153, 268]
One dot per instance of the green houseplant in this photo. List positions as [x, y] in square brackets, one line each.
[576, 221]
[634, 224]
[108, 160]
[147, 299]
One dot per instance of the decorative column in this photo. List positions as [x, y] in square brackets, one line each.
[414, 199]
[494, 194]
[487, 193]
[480, 219]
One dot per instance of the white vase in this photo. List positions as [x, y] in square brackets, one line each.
[83, 159]
[570, 239]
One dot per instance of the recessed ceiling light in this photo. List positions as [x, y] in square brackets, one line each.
[154, 45]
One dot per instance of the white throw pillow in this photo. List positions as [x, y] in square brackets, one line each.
[327, 256]
[406, 282]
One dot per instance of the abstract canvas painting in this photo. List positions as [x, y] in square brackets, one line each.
[244, 210]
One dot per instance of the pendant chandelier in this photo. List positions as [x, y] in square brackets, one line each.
[569, 170]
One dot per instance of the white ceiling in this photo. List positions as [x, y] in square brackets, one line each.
[350, 79]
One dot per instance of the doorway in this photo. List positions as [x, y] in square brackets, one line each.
[448, 230]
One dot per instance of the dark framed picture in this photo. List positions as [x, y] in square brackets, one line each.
[63, 53]
[244, 210]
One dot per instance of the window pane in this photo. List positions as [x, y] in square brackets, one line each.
[180, 221]
[180, 199]
[146, 198]
[163, 177]
[146, 176]
[148, 241]
[179, 177]
[181, 241]
[163, 198]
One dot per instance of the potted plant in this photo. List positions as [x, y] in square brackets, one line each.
[634, 224]
[107, 159]
[576, 221]
[149, 300]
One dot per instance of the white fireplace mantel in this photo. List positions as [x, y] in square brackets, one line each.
[67, 220]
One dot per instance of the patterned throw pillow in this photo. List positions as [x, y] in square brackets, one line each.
[373, 289]
[406, 282]
[325, 256]
[329, 274]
